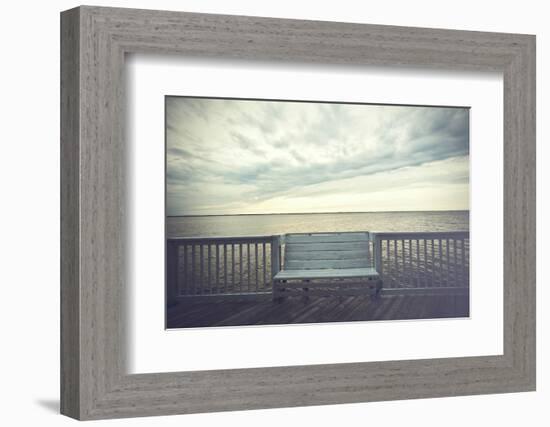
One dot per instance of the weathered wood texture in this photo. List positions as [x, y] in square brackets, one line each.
[218, 265]
[414, 260]
[70, 220]
[243, 265]
[315, 309]
[310, 251]
[326, 273]
[308, 260]
[95, 383]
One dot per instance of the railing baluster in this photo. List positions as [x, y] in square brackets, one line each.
[417, 267]
[435, 269]
[406, 266]
[241, 267]
[455, 272]
[387, 260]
[256, 264]
[425, 264]
[217, 267]
[411, 262]
[403, 262]
[183, 280]
[440, 268]
[447, 270]
[178, 265]
[211, 268]
[208, 269]
[410, 269]
[193, 269]
[400, 264]
[396, 273]
[225, 268]
[404, 278]
[183, 284]
[434, 259]
[248, 265]
[265, 265]
[201, 274]
[381, 257]
[215, 270]
[463, 255]
[232, 266]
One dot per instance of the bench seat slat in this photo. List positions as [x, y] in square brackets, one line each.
[340, 246]
[327, 237]
[326, 273]
[293, 255]
[326, 264]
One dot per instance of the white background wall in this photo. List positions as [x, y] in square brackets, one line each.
[29, 224]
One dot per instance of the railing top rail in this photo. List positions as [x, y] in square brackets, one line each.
[326, 232]
[422, 235]
[269, 238]
[228, 240]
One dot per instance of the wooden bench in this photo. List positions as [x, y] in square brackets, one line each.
[327, 264]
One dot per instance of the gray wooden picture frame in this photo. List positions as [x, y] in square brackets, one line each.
[94, 381]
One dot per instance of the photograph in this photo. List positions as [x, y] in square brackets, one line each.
[292, 212]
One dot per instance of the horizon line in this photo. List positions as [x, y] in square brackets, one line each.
[314, 213]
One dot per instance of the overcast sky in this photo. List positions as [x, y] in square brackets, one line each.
[242, 157]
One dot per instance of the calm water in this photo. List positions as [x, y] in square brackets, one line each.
[258, 225]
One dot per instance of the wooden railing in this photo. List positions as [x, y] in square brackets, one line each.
[220, 266]
[434, 261]
[242, 266]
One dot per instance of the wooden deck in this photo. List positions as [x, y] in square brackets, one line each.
[292, 310]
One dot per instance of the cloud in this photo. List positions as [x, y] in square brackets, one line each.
[239, 156]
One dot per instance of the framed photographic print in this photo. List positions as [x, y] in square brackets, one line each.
[266, 200]
[285, 192]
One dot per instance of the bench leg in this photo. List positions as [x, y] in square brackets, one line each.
[274, 290]
[305, 296]
[378, 288]
[278, 291]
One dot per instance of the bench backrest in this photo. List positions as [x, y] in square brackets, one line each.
[306, 251]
